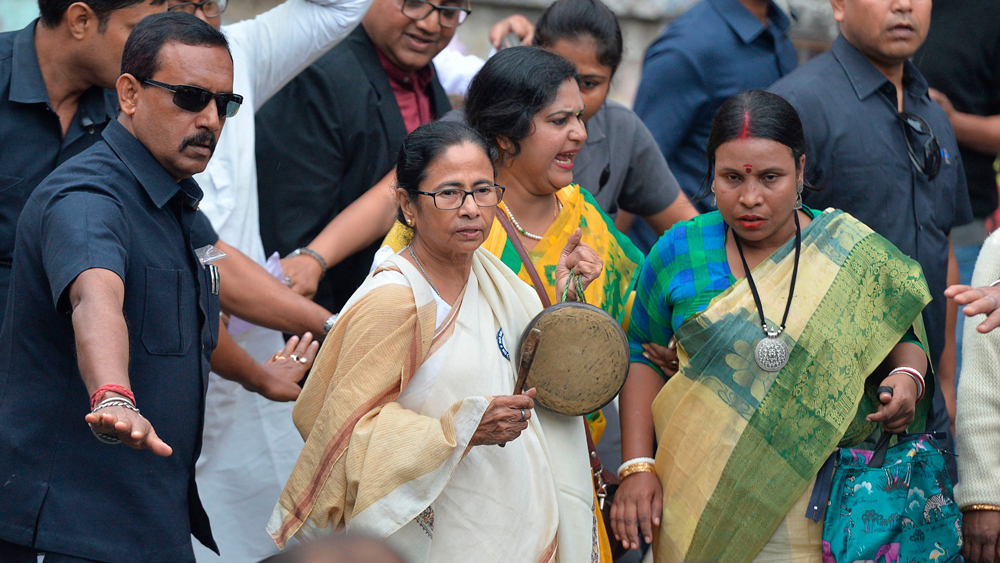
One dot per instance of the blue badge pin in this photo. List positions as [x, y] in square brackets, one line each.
[502, 345]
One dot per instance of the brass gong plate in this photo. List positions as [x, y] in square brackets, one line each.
[581, 361]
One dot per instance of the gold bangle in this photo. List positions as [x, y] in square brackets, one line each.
[977, 507]
[641, 467]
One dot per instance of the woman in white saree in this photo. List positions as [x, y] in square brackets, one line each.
[413, 390]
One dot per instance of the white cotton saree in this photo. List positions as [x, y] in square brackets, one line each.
[388, 414]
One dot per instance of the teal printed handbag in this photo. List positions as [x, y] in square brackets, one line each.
[888, 505]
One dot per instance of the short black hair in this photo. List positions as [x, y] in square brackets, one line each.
[141, 57]
[755, 114]
[425, 144]
[513, 86]
[577, 19]
[52, 11]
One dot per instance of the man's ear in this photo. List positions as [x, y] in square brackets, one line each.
[838, 10]
[129, 91]
[81, 20]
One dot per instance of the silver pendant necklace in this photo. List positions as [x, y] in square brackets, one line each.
[422, 271]
[771, 352]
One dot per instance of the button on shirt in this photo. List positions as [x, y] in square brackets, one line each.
[714, 51]
[858, 157]
[112, 207]
[31, 135]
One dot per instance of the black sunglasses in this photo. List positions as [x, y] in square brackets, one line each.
[193, 98]
[930, 162]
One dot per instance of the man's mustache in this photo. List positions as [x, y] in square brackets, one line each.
[202, 138]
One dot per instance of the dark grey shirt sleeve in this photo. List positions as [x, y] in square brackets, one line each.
[82, 229]
[649, 186]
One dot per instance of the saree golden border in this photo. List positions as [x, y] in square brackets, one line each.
[738, 446]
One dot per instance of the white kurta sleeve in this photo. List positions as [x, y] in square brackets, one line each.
[978, 402]
[283, 41]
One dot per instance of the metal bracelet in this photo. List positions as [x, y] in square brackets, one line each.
[116, 402]
[105, 437]
[328, 325]
[310, 252]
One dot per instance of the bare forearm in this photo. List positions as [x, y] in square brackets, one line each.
[233, 363]
[680, 210]
[252, 294]
[635, 411]
[979, 133]
[100, 330]
[362, 223]
[947, 365]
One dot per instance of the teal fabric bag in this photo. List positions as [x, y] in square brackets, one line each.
[889, 505]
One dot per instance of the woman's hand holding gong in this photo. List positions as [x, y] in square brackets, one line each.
[577, 258]
[505, 419]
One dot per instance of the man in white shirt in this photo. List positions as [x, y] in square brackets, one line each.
[250, 445]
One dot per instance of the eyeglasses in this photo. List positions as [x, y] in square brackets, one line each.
[211, 8]
[929, 163]
[448, 16]
[193, 98]
[453, 198]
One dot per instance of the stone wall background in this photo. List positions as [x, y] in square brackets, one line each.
[813, 28]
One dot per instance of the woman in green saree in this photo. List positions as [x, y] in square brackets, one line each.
[787, 322]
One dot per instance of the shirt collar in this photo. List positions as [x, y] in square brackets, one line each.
[417, 81]
[865, 78]
[26, 83]
[157, 182]
[745, 24]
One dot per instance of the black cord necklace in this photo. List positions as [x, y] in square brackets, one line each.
[771, 353]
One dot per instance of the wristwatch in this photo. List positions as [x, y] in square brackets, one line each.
[328, 325]
[310, 252]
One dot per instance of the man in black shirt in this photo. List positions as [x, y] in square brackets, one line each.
[883, 151]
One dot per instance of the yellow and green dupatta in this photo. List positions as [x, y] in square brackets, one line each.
[739, 447]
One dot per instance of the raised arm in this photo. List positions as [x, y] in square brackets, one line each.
[283, 41]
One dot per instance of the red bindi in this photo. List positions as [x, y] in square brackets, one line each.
[749, 168]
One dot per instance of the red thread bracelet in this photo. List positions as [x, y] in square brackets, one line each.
[95, 399]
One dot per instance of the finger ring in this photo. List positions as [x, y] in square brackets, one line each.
[278, 357]
[990, 297]
[674, 363]
[294, 357]
[288, 281]
[302, 360]
[522, 416]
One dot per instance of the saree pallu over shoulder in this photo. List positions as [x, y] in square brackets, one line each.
[738, 446]
[376, 467]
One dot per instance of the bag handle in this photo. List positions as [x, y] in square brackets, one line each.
[522, 252]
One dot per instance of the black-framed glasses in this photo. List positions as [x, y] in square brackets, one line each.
[454, 198]
[928, 163]
[449, 16]
[193, 98]
[211, 8]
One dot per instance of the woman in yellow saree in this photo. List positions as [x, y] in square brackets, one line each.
[787, 321]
